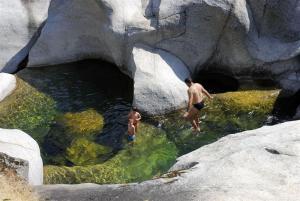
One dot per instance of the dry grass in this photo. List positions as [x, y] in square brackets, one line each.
[15, 189]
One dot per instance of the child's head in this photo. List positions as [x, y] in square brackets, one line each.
[134, 109]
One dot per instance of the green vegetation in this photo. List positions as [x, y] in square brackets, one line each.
[85, 152]
[228, 113]
[85, 123]
[152, 154]
[74, 135]
[29, 110]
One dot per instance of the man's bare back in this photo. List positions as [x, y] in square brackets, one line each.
[196, 94]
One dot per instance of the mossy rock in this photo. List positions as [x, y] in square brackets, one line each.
[29, 110]
[151, 154]
[227, 113]
[85, 152]
[258, 101]
[85, 123]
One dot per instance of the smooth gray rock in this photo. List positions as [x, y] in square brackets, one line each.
[237, 37]
[158, 80]
[20, 22]
[18, 144]
[8, 84]
[256, 165]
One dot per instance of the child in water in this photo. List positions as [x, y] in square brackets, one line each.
[131, 131]
[135, 116]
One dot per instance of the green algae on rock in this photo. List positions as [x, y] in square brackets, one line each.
[27, 109]
[74, 135]
[85, 123]
[85, 152]
[152, 154]
[227, 113]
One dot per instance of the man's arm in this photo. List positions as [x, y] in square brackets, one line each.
[139, 117]
[206, 93]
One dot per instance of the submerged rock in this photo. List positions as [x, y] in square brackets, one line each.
[18, 144]
[151, 154]
[27, 109]
[85, 152]
[255, 165]
[227, 113]
[85, 123]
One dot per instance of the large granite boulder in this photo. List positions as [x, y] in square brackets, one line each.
[18, 144]
[255, 165]
[242, 38]
[7, 85]
[158, 80]
[20, 22]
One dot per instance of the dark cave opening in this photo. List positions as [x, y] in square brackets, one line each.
[287, 104]
[217, 82]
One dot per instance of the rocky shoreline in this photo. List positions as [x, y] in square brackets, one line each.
[255, 165]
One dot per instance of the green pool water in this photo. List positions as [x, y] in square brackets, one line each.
[78, 114]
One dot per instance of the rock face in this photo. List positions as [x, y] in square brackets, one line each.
[7, 85]
[19, 26]
[18, 144]
[256, 165]
[243, 38]
[14, 165]
[158, 76]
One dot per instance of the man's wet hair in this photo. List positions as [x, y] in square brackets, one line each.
[188, 80]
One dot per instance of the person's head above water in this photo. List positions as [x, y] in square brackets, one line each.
[188, 81]
[134, 109]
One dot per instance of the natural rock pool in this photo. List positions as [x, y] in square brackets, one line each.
[78, 114]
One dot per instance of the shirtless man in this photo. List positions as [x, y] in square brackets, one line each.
[195, 103]
[135, 116]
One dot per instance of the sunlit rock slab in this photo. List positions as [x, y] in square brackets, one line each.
[20, 22]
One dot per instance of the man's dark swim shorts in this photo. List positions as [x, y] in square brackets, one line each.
[199, 106]
[131, 138]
